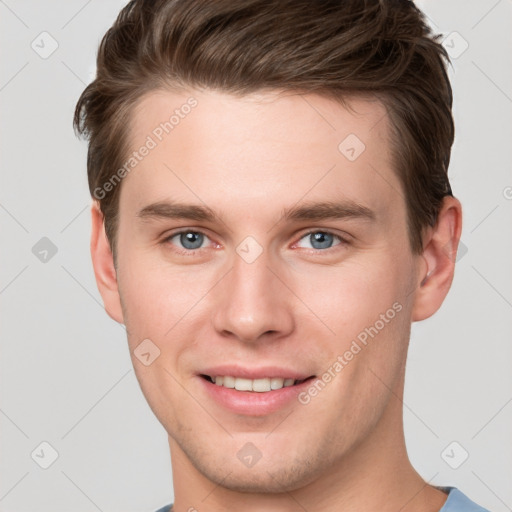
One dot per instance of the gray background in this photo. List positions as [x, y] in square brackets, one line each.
[66, 376]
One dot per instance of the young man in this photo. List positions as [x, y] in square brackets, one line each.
[271, 213]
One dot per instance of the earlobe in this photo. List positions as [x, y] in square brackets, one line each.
[439, 255]
[103, 263]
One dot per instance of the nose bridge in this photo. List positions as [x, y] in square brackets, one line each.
[253, 301]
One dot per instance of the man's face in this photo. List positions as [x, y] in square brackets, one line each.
[274, 285]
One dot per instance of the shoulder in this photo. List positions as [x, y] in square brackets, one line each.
[457, 501]
[167, 508]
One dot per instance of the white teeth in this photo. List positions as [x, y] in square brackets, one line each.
[228, 382]
[243, 384]
[257, 385]
[261, 385]
[276, 383]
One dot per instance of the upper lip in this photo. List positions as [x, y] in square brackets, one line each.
[254, 373]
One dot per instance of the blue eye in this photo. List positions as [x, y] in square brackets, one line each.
[189, 240]
[320, 240]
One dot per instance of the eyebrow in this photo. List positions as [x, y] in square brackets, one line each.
[305, 212]
[172, 210]
[329, 210]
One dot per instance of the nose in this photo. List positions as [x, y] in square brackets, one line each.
[253, 304]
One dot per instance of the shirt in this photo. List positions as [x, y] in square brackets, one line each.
[456, 502]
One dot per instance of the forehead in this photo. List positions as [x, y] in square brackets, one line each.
[273, 147]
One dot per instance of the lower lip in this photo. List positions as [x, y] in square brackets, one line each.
[253, 403]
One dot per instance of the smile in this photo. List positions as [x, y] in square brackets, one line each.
[262, 385]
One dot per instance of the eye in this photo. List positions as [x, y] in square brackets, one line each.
[188, 240]
[320, 240]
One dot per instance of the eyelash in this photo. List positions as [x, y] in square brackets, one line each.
[191, 252]
[343, 241]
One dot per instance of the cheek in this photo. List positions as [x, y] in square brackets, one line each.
[353, 295]
[156, 297]
[365, 304]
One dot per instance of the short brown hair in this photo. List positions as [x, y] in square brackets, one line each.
[334, 48]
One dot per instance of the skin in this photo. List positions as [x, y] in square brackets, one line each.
[299, 306]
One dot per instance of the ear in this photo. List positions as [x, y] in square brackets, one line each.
[439, 255]
[103, 263]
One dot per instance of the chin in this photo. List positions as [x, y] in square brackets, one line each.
[260, 481]
[275, 476]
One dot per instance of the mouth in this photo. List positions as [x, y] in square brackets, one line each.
[253, 391]
[261, 385]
